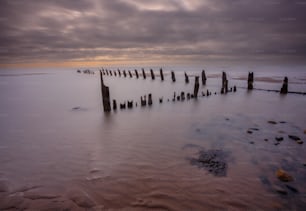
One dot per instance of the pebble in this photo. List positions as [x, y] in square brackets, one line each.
[272, 122]
[299, 142]
[293, 189]
[249, 132]
[251, 142]
[277, 143]
[282, 122]
[266, 139]
[279, 138]
[295, 138]
[283, 176]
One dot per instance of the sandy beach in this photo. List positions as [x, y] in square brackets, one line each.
[59, 151]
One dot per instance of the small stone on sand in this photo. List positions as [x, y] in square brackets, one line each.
[294, 138]
[272, 122]
[283, 176]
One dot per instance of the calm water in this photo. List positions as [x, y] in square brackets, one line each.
[54, 156]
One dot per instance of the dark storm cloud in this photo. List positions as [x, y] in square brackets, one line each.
[37, 30]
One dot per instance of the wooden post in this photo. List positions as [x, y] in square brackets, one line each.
[224, 88]
[143, 74]
[152, 75]
[143, 101]
[173, 76]
[131, 76]
[119, 72]
[186, 78]
[136, 73]
[106, 71]
[115, 73]
[105, 95]
[203, 77]
[250, 80]
[130, 104]
[150, 99]
[284, 89]
[110, 72]
[196, 87]
[114, 105]
[183, 96]
[124, 73]
[161, 74]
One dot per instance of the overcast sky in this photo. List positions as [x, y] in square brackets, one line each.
[152, 31]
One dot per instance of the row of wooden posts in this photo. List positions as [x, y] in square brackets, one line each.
[143, 101]
[124, 73]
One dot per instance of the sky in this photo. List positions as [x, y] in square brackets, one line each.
[113, 32]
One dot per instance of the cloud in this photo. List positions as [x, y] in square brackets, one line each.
[58, 31]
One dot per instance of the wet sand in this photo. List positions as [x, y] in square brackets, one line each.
[55, 157]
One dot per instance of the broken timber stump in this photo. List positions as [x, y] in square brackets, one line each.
[143, 74]
[131, 76]
[114, 105]
[203, 77]
[284, 89]
[152, 75]
[173, 76]
[196, 87]
[186, 78]
[136, 73]
[150, 99]
[161, 74]
[105, 95]
[250, 80]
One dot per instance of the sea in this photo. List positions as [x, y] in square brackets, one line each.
[60, 151]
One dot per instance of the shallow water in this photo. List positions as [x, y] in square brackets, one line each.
[58, 148]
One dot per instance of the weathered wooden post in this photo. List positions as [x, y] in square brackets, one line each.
[131, 76]
[186, 78]
[161, 74]
[203, 77]
[124, 73]
[107, 72]
[110, 73]
[152, 74]
[183, 96]
[114, 105]
[250, 80]
[224, 88]
[188, 96]
[122, 105]
[150, 99]
[136, 73]
[119, 73]
[115, 73]
[143, 101]
[130, 104]
[235, 88]
[284, 89]
[105, 95]
[143, 74]
[196, 87]
[173, 76]
[174, 96]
